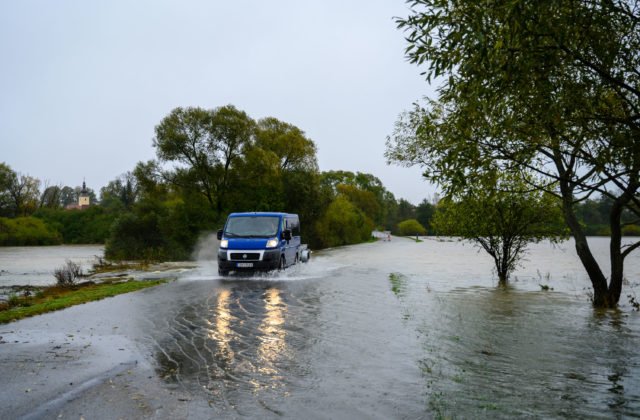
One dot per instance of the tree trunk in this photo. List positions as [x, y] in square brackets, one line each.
[601, 297]
[615, 247]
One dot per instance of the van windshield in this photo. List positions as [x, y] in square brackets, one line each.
[252, 226]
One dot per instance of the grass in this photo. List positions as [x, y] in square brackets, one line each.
[55, 297]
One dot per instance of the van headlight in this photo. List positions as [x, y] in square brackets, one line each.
[224, 243]
[272, 243]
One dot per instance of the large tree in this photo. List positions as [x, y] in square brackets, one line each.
[550, 87]
[121, 193]
[24, 194]
[7, 176]
[51, 197]
[289, 143]
[205, 143]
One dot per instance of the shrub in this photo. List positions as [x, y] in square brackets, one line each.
[68, 274]
[343, 224]
[631, 230]
[411, 227]
[23, 231]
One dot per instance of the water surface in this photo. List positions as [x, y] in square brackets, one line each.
[34, 265]
[401, 330]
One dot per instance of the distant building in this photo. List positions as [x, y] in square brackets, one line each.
[84, 200]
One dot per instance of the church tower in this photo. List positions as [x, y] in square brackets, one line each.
[84, 199]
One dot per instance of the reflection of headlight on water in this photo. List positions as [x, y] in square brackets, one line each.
[272, 342]
[220, 331]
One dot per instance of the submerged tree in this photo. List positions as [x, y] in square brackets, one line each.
[503, 221]
[549, 87]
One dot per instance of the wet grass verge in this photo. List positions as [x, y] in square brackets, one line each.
[55, 297]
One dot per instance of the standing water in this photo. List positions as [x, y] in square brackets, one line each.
[400, 330]
[34, 265]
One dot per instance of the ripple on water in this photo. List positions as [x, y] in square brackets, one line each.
[395, 330]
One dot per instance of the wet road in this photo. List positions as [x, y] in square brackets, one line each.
[381, 330]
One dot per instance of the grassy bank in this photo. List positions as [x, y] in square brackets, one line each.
[55, 298]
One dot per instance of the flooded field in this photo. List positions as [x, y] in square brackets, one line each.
[389, 330]
[34, 265]
[402, 330]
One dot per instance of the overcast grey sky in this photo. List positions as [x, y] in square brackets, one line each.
[83, 83]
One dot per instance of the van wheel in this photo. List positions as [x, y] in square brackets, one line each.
[222, 272]
[282, 263]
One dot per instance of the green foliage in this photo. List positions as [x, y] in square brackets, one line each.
[135, 237]
[87, 226]
[411, 227]
[159, 229]
[502, 222]
[343, 224]
[51, 198]
[6, 178]
[22, 231]
[365, 191]
[424, 214]
[549, 88]
[210, 163]
[631, 230]
[121, 193]
[286, 141]
[208, 142]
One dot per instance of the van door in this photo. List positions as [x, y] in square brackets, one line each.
[293, 224]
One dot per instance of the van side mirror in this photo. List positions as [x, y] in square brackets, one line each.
[219, 234]
[286, 235]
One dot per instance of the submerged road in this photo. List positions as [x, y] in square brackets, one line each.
[383, 330]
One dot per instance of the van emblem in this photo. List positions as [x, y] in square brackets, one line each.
[244, 256]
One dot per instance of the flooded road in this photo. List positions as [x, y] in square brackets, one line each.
[391, 330]
[382, 330]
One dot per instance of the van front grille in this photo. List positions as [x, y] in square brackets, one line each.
[245, 256]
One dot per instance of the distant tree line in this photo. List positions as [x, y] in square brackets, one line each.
[210, 163]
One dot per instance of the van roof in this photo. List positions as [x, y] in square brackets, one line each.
[262, 213]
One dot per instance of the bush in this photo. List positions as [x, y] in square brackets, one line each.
[87, 226]
[343, 224]
[631, 230]
[411, 227]
[68, 274]
[135, 237]
[23, 231]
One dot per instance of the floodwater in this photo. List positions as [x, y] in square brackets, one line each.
[402, 330]
[34, 265]
[394, 330]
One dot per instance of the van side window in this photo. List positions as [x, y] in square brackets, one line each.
[294, 225]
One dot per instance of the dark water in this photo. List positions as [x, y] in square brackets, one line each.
[401, 330]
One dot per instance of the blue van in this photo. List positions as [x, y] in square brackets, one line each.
[260, 241]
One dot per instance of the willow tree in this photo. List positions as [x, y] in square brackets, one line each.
[550, 87]
[205, 144]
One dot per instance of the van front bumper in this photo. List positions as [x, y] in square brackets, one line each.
[270, 260]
